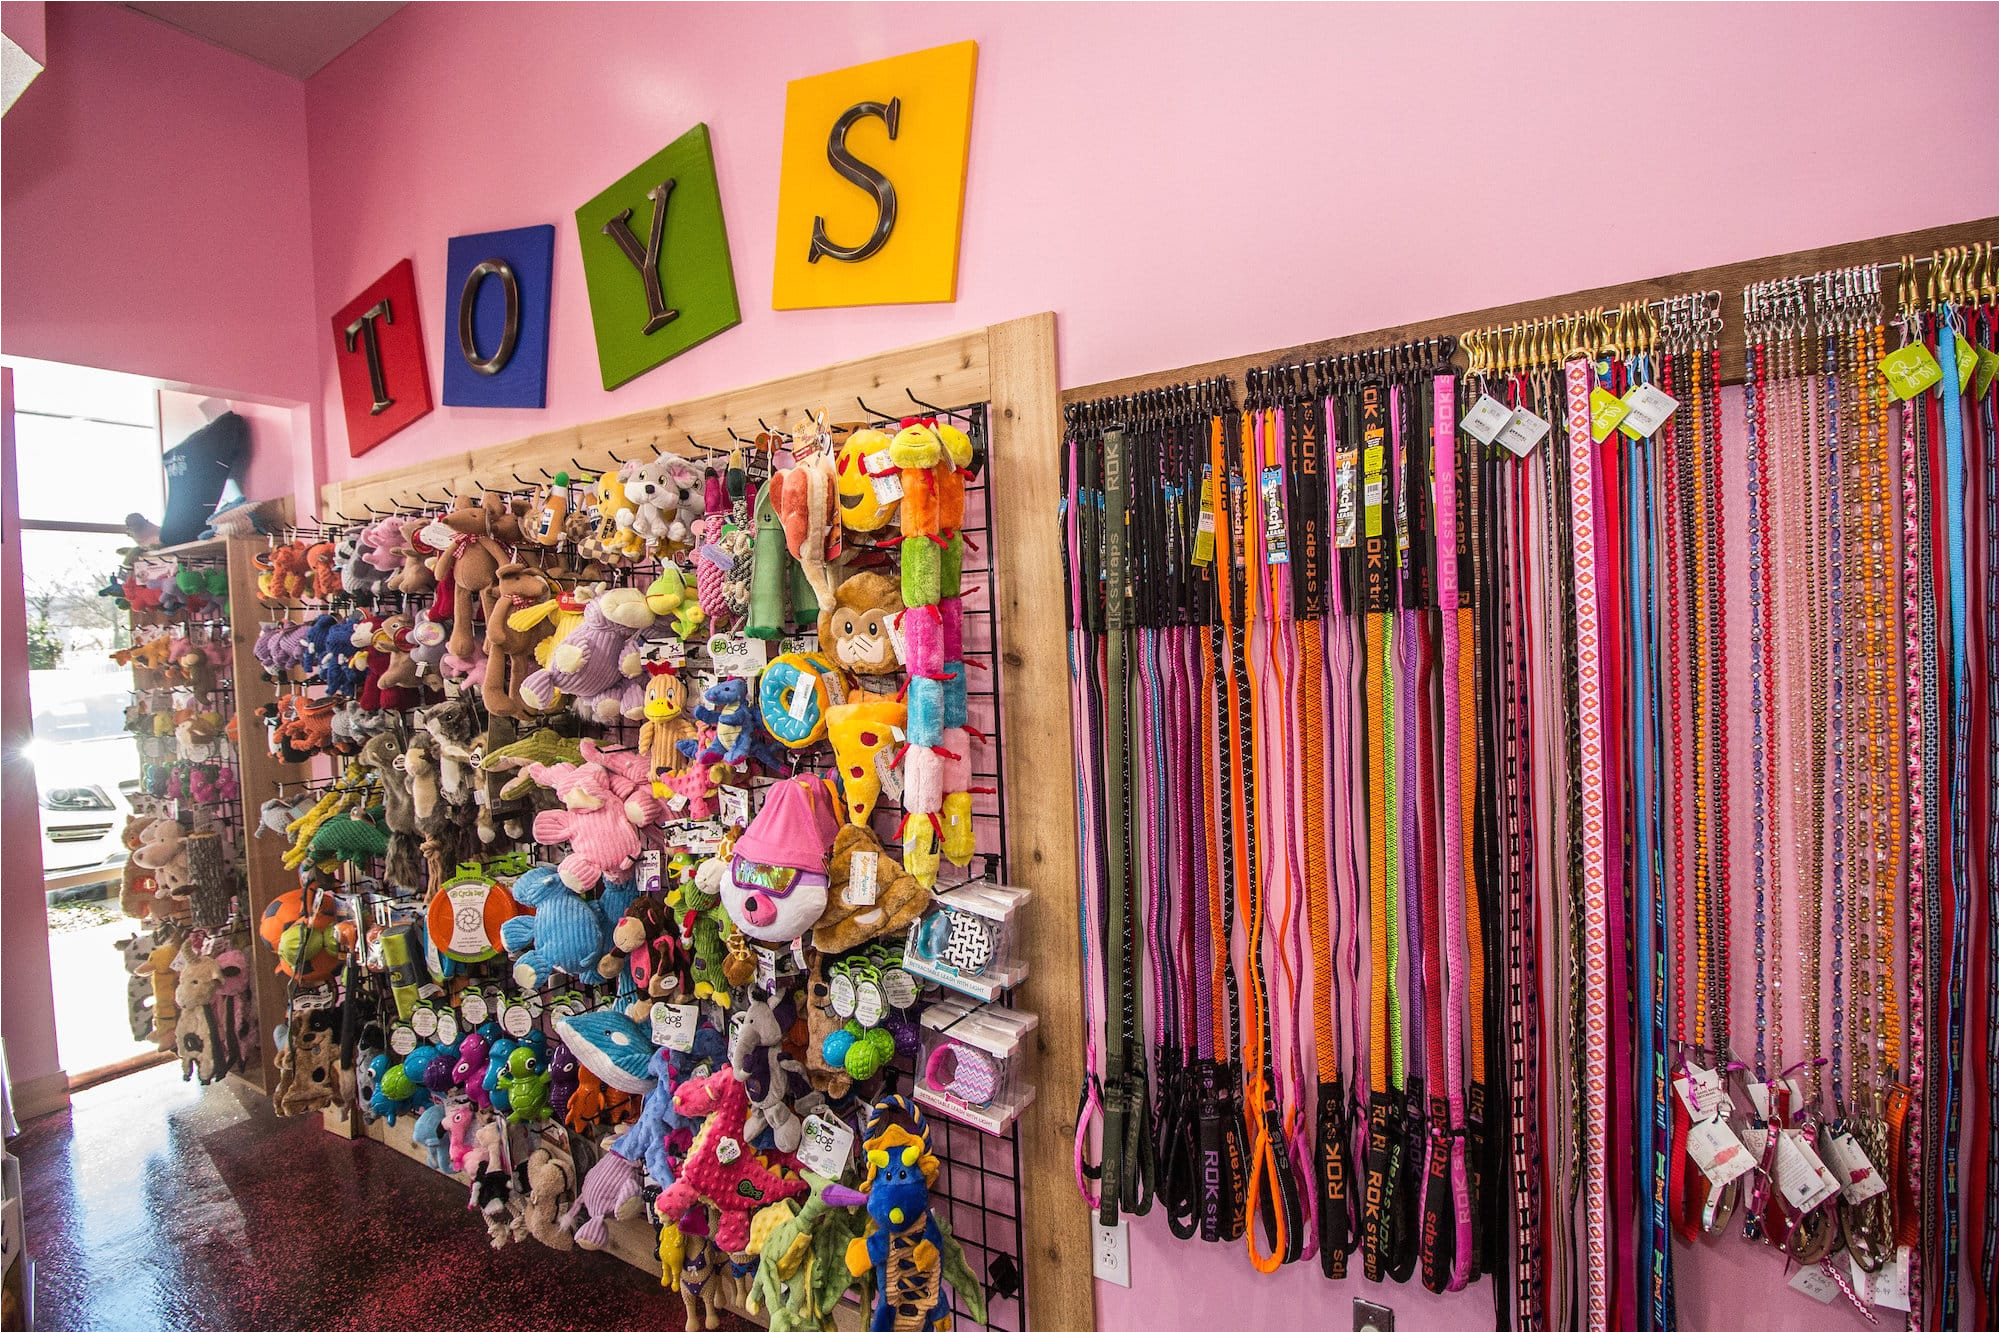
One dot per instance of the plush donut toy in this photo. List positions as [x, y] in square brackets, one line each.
[797, 690]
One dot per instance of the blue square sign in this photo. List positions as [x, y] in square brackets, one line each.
[496, 324]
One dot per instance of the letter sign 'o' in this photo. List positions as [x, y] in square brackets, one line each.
[510, 327]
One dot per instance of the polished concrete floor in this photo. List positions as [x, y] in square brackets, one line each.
[155, 1204]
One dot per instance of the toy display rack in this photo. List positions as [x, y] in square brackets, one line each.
[257, 770]
[1011, 368]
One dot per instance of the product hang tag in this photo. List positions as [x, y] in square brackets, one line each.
[860, 889]
[674, 1026]
[1277, 535]
[825, 1145]
[891, 775]
[1204, 524]
[1892, 1284]
[1815, 1282]
[1346, 464]
[1647, 408]
[1989, 366]
[1522, 433]
[1700, 1090]
[1859, 1181]
[898, 634]
[1488, 417]
[1910, 370]
[1801, 1175]
[424, 1021]
[650, 879]
[735, 805]
[517, 1020]
[402, 1039]
[801, 702]
[472, 1008]
[1717, 1151]
[447, 1027]
[1606, 411]
[1968, 358]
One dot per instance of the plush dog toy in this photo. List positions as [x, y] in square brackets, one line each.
[605, 802]
[593, 660]
[512, 635]
[465, 569]
[611, 1191]
[722, 1169]
[564, 934]
[854, 624]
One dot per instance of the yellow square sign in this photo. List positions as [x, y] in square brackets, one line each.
[872, 184]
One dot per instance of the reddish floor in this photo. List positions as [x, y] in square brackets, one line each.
[152, 1203]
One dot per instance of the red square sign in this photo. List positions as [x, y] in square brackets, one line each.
[384, 381]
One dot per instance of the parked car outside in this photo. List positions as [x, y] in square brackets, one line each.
[86, 768]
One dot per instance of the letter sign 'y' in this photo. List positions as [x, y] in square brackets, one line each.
[873, 180]
[650, 302]
[379, 353]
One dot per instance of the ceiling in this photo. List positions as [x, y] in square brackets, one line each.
[298, 39]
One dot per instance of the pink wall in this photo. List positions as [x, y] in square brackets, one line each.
[27, 1003]
[156, 218]
[1111, 147]
[24, 22]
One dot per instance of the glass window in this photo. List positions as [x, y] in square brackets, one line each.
[87, 445]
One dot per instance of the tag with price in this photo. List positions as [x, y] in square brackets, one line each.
[825, 1145]
[1910, 370]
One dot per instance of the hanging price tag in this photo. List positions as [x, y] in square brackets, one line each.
[825, 1145]
[1700, 1090]
[649, 872]
[1910, 370]
[1717, 1151]
[1204, 525]
[1892, 1284]
[447, 1027]
[424, 1021]
[402, 1039]
[1346, 463]
[1271, 490]
[1606, 411]
[735, 805]
[737, 655]
[1647, 409]
[1522, 433]
[1968, 358]
[1801, 1175]
[1989, 366]
[472, 1008]
[1859, 1181]
[860, 888]
[517, 1020]
[675, 1025]
[1488, 417]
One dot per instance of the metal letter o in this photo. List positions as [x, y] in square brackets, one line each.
[510, 328]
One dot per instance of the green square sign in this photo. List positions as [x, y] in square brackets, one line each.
[656, 260]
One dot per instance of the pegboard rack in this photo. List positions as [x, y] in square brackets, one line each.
[1009, 368]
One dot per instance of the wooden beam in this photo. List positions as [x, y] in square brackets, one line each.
[949, 372]
[259, 774]
[1039, 770]
[1729, 279]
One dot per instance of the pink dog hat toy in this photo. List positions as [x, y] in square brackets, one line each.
[795, 829]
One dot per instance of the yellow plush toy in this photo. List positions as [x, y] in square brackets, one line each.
[860, 732]
[614, 538]
[861, 509]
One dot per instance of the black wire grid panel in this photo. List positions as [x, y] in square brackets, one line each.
[978, 1185]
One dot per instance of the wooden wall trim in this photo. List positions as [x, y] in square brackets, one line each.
[1033, 672]
[1729, 279]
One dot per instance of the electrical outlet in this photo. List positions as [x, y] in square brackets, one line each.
[1372, 1318]
[1111, 1252]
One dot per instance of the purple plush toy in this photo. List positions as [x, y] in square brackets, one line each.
[563, 1078]
[611, 1191]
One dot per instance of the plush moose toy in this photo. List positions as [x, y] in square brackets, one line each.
[465, 570]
